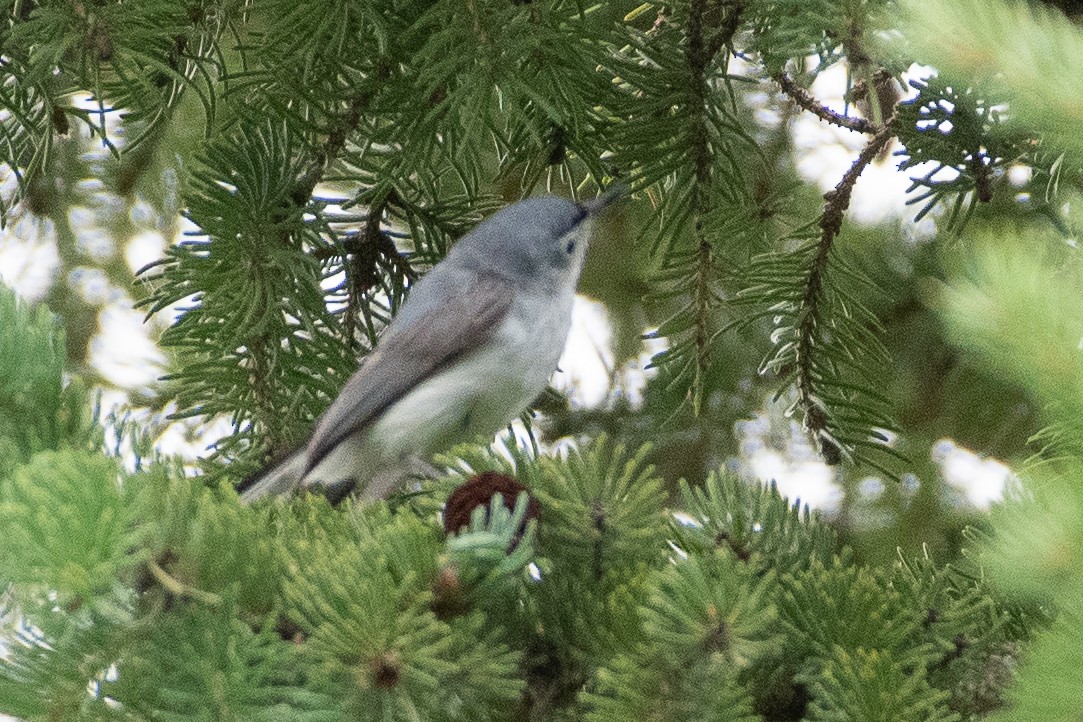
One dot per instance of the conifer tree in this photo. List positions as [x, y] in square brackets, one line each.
[320, 156]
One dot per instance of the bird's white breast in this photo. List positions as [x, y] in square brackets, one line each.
[476, 394]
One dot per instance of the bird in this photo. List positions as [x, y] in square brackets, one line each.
[472, 347]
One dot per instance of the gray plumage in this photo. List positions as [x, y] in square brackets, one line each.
[472, 347]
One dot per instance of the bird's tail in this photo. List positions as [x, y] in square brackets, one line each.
[278, 477]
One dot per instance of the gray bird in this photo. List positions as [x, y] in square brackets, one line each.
[473, 346]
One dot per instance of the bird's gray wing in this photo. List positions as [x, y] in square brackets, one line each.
[278, 477]
[448, 326]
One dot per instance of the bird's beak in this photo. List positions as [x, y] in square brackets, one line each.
[615, 192]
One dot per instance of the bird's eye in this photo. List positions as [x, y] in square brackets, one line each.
[570, 248]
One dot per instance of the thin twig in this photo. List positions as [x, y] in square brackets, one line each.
[262, 347]
[180, 589]
[804, 98]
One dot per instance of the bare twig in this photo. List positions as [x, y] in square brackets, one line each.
[838, 199]
[804, 98]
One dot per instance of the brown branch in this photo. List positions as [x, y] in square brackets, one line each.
[837, 200]
[804, 98]
[727, 27]
[698, 60]
[337, 135]
[260, 365]
[261, 347]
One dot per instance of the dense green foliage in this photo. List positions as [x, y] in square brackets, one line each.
[175, 602]
[317, 157]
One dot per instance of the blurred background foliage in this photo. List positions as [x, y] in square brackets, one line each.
[262, 182]
[379, 110]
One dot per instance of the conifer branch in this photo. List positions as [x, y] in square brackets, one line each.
[263, 392]
[347, 123]
[728, 27]
[804, 98]
[701, 50]
[816, 420]
[363, 272]
[698, 60]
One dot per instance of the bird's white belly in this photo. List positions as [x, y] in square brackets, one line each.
[473, 397]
